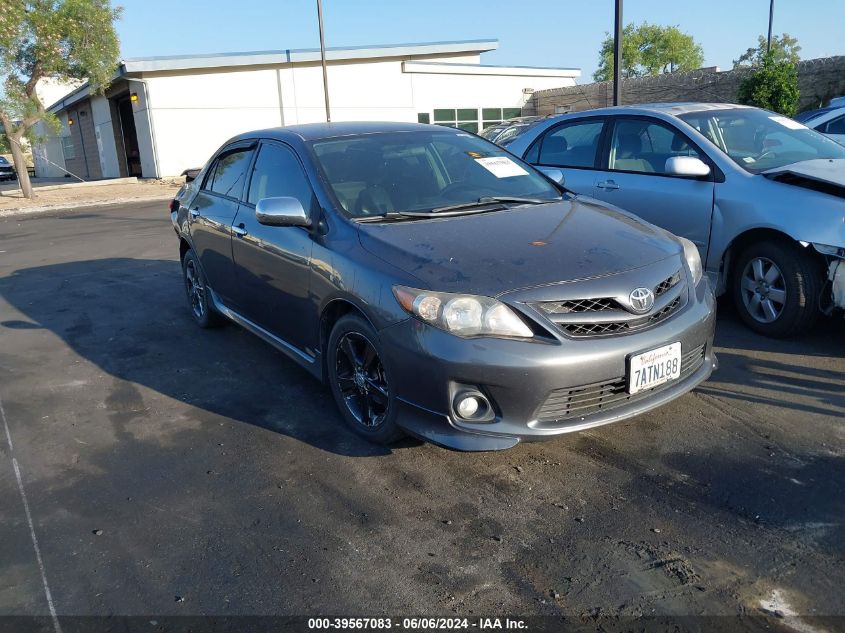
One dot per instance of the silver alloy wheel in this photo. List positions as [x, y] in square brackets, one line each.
[195, 289]
[763, 290]
[361, 379]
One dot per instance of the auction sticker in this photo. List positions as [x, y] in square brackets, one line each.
[501, 166]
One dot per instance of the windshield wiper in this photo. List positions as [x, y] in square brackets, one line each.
[398, 216]
[492, 200]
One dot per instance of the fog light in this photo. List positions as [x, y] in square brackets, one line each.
[467, 406]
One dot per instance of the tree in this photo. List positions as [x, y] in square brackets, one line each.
[4, 143]
[64, 39]
[784, 49]
[650, 49]
[773, 86]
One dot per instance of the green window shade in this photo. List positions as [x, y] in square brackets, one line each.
[490, 124]
[444, 115]
[467, 114]
[511, 113]
[491, 114]
[423, 117]
[469, 127]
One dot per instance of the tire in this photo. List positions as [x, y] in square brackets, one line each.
[358, 374]
[776, 287]
[200, 307]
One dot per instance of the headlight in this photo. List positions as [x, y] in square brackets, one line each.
[464, 315]
[693, 259]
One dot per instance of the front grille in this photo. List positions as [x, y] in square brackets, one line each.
[578, 402]
[579, 305]
[612, 316]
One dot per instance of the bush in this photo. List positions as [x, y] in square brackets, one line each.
[773, 86]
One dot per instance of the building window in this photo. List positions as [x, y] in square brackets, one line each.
[493, 116]
[68, 148]
[463, 118]
[423, 117]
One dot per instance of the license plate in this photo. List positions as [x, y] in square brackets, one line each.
[655, 367]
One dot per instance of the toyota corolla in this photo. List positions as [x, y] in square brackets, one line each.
[440, 286]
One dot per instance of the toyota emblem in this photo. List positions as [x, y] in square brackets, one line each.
[641, 300]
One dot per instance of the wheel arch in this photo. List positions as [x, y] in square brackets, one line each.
[756, 235]
[331, 314]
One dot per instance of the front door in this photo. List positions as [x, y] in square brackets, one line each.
[211, 214]
[634, 178]
[272, 263]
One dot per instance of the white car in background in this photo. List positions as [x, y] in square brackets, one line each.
[830, 121]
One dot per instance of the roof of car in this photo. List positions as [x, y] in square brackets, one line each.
[317, 131]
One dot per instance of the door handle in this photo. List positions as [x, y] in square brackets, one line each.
[239, 230]
[195, 212]
[607, 185]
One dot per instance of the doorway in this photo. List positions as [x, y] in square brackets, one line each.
[130, 137]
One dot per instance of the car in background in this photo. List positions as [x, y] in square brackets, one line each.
[829, 121]
[440, 286]
[502, 133]
[761, 195]
[7, 170]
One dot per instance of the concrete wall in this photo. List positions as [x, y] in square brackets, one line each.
[818, 79]
[48, 158]
[104, 132]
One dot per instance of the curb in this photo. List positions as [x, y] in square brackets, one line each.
[81, 185]
[23, 211]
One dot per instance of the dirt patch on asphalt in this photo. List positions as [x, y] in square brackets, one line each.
[14, 203]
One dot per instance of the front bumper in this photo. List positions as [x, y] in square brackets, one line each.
[427, 365]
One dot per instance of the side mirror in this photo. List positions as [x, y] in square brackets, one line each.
[191, 174]
[554, 173]
[687, 166]
[281, 212]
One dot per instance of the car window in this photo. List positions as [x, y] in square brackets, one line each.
[758, 140]
[569, 145]
[3, 161]
[373, 174]
[278, 173]
[229, 173]
[644, 146]
[836, 126]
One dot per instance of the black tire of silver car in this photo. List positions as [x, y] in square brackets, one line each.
[196, 290]
[360, 381]
[776, 286]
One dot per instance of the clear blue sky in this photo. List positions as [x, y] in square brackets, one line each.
[565, 33]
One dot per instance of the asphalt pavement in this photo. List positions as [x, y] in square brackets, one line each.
[170, 470]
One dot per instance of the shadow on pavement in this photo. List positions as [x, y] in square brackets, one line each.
[130, 318]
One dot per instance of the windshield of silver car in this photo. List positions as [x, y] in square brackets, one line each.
[377, 174]
[758, 140]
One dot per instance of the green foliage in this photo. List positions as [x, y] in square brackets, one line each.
[650, 49]
[64, 39]
[773, 86]
[784, 49]
[5, 148]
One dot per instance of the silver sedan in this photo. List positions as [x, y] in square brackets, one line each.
[760, 195]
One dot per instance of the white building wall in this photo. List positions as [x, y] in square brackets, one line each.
[47, 156]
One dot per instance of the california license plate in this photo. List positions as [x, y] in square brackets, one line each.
[653, 368]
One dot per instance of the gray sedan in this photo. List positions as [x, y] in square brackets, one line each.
[439, 286]
[760, 195]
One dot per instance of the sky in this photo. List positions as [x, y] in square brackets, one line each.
[554, 33]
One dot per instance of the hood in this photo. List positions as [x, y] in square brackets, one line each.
[822, 174]
[492, 253]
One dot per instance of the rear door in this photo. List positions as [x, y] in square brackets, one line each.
[272, 263]
[211, 214]
[572, 147]
[634, 177]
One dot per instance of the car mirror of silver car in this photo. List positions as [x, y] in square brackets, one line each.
[282, 211]
[687, 166]
[554, 173]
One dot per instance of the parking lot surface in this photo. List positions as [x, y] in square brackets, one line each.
[170, 470]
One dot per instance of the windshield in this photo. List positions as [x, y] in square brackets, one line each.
[374, 174]
[758, 140]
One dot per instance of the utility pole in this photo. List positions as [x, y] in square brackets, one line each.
[771, 18]
[617, 56]
[323, 59]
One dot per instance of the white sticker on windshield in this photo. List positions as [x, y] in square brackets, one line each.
[792, 125]
[501, 166]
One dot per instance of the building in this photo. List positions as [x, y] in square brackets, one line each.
[163, 115]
